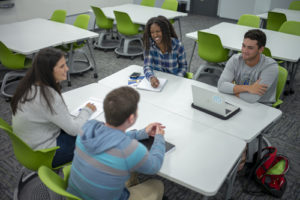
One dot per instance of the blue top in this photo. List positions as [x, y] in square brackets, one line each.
[104, 158]
[173, 62]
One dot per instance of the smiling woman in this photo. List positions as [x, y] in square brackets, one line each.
[40, 117]
[163, 51]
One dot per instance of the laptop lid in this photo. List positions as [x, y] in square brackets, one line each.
[212, 103]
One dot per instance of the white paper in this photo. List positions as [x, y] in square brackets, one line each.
[146, 85]
[97, 102]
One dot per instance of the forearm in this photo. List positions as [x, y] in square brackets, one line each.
[148, 71]
[155, 156]
[137, 134]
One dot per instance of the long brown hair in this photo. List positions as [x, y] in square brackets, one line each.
[166, 28]
[41, 74]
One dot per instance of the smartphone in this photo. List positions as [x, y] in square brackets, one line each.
[135, 75]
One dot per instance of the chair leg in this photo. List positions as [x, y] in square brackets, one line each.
[199, 71]
[126, 46]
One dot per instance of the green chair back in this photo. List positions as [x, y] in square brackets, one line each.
[25, 155]
[82, 21]
[249, 20]
[150, 3]
[275, 20]
[55, 183]
[294, 5]
[210, 48]
[290, 27]
[59, 16]
[267, 52]
[101, 20]
[11, 60]
[170, 5]
[282, 76]
[124, 24]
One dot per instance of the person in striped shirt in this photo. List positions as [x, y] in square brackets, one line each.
[163, 51]
[106, 154]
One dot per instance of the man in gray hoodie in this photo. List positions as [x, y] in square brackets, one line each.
[251, 75]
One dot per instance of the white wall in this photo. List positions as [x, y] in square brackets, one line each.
[158, 3]
[280, 3]
[27, 9]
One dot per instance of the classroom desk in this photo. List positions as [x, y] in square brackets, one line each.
[176, 97]
[141, 14]
[283, 46]
[197, 162]
[28, 37]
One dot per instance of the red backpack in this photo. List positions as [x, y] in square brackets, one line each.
[270, 171]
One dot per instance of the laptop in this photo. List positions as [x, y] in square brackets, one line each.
[212, 103]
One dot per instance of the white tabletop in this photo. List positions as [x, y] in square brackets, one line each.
[283, 46]
[141, 14]
[291, 15]
[197, 161]
[27, 37]
[176, 97]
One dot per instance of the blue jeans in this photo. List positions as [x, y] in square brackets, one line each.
[65, 153]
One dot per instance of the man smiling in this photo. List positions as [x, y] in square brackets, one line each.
[250, 75]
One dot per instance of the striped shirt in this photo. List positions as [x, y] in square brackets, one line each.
[173, 62]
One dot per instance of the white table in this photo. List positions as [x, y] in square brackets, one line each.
[283, 46]
[197, 161]
[176, 97]
[28, 37]
[141, 14]
[291, 15]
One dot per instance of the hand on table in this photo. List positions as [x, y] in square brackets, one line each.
[155, 128]
[154, 82]
[91, 106]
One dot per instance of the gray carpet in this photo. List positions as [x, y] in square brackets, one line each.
[285, 134]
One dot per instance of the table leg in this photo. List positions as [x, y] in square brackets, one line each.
[190, 63]
[294, 67]
[180, 29]
[70, 65]
[260, 137]
[230, 180]
[263, 23]
[93, 58]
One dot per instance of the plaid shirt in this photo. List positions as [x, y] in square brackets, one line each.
[174, 62]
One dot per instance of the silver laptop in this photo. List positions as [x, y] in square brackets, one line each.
[212, 103]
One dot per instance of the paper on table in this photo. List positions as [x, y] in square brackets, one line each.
[146, 85]
[97, 102]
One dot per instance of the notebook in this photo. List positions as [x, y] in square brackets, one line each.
[212, 103]
[146, 85]
[148, 143]
[97, 102]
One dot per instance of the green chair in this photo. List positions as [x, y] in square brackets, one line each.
[107, 24]
[290, 27]
[17, 65]
[81, 21]
[29, 158]
[249, 20]
[150, 3]
[56, 183]
[59, 16]
[170, 5]
[282, 76]
[129, 32]
[211, 50]
[294, 5]
[275, 20]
